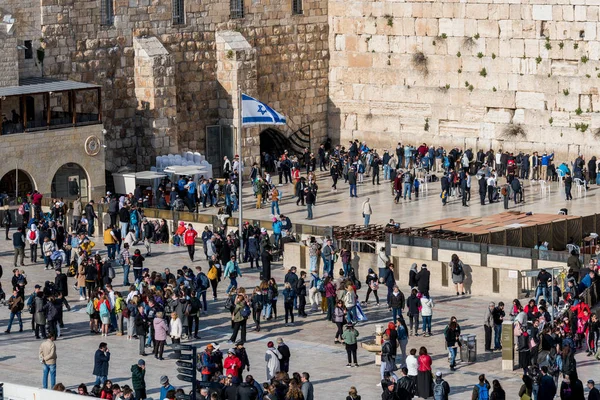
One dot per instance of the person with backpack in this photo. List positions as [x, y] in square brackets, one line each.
[33, 238]
[481, 391]
[202, 286]
[441, 388]
[232, 271]
[301, 294]
[239, 316]
[458, 274]
[407, 182]
[257, 302]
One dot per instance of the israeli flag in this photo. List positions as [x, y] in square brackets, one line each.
[256, 113]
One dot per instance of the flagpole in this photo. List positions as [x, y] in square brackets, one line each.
[239, 152]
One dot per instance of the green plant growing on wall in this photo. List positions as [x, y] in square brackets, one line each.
[419, 61]
[367, 39]
[471, 88]
[480, 55]
[514, 130]
[444, 36]
[483, 72]
[390, 19]
[538, 59]
[576, 46]
[548, 46]
[566, 92]
[588, 76]
[584, 59]
[476, 36]
[582, 127]
[447, 86]
[561, 45]
[458, 54]
[230, 54]
[578, 111]
[459, 71]
[493, 56]
[494, 89]
[426, 127]
[551, 120]
[466, 84]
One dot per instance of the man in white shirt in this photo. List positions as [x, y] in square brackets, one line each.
[491, 187]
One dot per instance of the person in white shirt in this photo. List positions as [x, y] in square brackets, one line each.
[491, 187]
[367, 211]
[412, 364]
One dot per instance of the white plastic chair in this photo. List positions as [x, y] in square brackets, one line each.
[422, 185]
[580, 184]
[544, 187]
[561, 175]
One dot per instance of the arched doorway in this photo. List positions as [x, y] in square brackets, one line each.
[14, 182]
[70, 182]
[274, 142]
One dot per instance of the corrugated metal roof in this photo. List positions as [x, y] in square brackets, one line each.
[43, 85]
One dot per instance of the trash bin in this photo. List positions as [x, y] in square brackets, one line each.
[472, 348]
[464, 351]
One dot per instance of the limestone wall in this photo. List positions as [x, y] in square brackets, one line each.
[9, 72]
[292, 64]
[40, 154]
[467, 71]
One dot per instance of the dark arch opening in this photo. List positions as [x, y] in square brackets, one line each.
[273, 142]
[9, 185]
[70, 182]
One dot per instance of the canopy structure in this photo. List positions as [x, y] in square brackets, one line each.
[125, 182]
[185, 170]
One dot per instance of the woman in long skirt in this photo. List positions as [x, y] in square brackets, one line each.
[424, 378]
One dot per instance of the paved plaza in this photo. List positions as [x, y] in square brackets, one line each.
[310, 339]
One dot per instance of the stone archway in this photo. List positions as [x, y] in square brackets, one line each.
[13, 183]
[70, 182]
[274, 142]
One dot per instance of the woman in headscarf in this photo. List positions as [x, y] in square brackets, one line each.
[272, 357]
[412, 276]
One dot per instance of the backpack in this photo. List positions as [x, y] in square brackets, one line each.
[111, 272]
[407, 177]
[195, 304]
[32, 235]
[71, 272]
[246, 312]
[89, 309]
[31, 303]
[438, 391]
[361, 168]
[212, 273]
[229, 303]
[203, 280]
[457, 269]
[104, 310]
[21, 210]
[484, 393]
[320, 285]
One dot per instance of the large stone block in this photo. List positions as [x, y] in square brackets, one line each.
[542, 12]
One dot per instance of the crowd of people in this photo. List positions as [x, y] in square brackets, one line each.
[155, 307]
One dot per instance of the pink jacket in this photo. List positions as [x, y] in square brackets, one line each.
[160, 329]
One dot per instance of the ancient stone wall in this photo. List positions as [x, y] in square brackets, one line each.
[292, 66]
[480, 74]
[9, 71]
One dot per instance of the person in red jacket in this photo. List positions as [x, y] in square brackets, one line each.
[232, 363]
[189, 238]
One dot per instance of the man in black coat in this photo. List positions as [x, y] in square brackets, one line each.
[423, 278]
[231, 391]
[101, 359]
[284, 350]
[266, 258]
[246, 390]
[60, 280]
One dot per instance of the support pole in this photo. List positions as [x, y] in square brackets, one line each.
[16, 181]
[239, 152]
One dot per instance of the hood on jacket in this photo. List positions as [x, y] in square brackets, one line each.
[413, 267]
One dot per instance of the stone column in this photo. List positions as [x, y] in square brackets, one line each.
[157, 102]
[236, 67]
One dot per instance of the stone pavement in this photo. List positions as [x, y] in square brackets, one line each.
[310, 341]
[338, 208]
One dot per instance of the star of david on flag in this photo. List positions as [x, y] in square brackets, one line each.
[256, 113]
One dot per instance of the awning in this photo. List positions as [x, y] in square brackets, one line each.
[149, 175]
[185, 170]
[30, 86]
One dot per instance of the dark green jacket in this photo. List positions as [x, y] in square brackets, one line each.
[137, 377]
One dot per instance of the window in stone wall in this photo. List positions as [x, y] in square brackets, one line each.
[178, 12]
[28, 49]
[236, 9]
[107, 12]
[297, 7]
